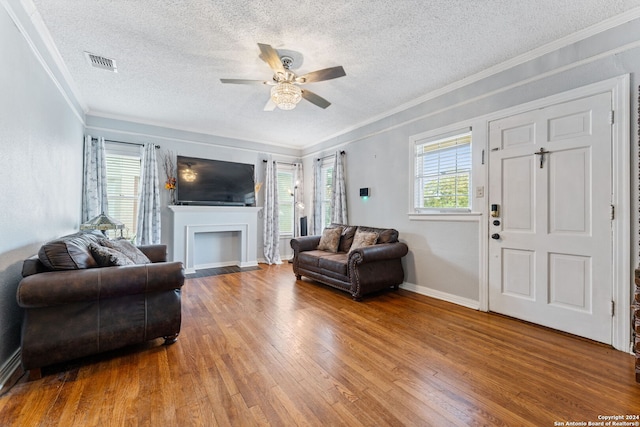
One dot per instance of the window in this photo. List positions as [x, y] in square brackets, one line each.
[442, 178]
[123, 180]
[327, 190]
[285, 198]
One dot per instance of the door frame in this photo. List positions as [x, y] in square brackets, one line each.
[619, 87]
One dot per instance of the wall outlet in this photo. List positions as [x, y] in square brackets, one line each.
[479, 192]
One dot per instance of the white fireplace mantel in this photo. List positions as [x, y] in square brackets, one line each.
[188, 221]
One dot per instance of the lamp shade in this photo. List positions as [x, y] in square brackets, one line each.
[102, 222]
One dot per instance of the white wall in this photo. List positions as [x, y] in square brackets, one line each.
[446, 257]
[40, 168]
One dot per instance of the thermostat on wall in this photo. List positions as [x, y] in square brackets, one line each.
[364, 192]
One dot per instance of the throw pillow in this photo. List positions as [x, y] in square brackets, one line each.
[346, 240]
[107, 257]
[330, 239]
[70, 252]
[362, 239]
[128, 249]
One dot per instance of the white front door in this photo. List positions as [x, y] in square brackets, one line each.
[551, 244]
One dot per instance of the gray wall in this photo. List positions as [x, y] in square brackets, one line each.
[445, 255]
[40, 169]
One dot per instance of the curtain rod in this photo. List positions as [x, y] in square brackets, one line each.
[282, 163]
[331, 155]
[122, 142]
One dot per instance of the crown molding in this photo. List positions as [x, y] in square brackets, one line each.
[26, 18]
[138, 135]
[160, 124]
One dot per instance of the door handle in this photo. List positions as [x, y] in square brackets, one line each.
[495, 236]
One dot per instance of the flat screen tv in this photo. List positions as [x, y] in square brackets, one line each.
[214, 182]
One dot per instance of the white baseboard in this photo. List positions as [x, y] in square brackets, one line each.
[433, 293]
[216, 265]
[9, 370]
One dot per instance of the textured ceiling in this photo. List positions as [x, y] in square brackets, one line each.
[172, 54]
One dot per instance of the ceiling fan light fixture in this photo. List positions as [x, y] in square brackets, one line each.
[286, 95]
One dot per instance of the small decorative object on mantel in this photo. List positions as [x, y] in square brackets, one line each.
[170, 172]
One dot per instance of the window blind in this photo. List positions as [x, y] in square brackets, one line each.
[285, 199]
[123, 180]
[443, 173]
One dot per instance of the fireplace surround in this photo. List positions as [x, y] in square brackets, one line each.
[190, 221]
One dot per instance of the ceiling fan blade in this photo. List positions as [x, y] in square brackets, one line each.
[270, 106]
[244, 81]
[271, 57]
[315, 99]
[320, 75]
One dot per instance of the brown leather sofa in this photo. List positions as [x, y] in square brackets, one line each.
[73, 307]
[359, 271]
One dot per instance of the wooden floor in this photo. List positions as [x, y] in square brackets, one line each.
[259, 348]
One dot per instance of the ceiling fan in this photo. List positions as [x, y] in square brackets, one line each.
[286, 93]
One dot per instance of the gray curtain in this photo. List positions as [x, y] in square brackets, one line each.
[316, 223]
[148, 230]
[94, 182]
[298, 192]
[338, 191]
[271, 229]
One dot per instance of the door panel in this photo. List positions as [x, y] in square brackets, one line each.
[570, 126]
[570, 281]
[570, 192]
[519, 135]
[550, 174]
[518, 278]
[518, 189]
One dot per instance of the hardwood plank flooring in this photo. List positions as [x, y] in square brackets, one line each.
[260, 348]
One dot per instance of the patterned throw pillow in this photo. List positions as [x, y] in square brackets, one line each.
[128, 249]
[330, 239]
[107, 257]
[363, 238]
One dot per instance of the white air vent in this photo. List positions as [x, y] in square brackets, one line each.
[101, 62]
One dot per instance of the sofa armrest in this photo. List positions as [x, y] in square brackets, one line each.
[305, 243]
[155, 253]
[72, 286]
[378, 252]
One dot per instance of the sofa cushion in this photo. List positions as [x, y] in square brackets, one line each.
[334, 262]
[363, 238]
[128, 249]
[70, 252]
[310, 258]
[108, 257]
[32, 265]
[330, 239]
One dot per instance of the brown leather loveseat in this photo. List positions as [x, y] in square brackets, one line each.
[81, 299]
[356, 259]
